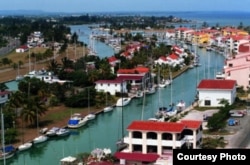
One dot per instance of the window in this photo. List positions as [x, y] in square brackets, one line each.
[230, 65]
[207, 102]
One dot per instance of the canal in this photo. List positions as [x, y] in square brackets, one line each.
[106, 129]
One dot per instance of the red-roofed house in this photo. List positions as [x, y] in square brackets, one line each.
[150, 141]
[4, 96]
[212, 91]
[175, 59]
[21, 49]
[113, 60]
[162, 61]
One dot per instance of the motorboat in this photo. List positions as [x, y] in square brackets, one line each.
[164, 83]
[150, 90]
[40, 139]
[52, 131]
[123, 101]
[139, 94]
[220, 75]
[69, 160]
[24, 146]
[7, 152]
[63, 132]
[180, 106]
[108, 109]
[171, 113]
[77, 121]
[90, 116]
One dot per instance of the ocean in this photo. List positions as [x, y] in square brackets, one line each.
[212, 18]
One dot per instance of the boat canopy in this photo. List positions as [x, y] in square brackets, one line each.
[73, 122]
[8, 148]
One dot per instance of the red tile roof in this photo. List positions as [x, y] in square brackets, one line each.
[116, 81]
[192, 124]
[173, 56]
[123, 77]
[156, 126]
[216, 84]
[163, 58]
[133, 71]
[135, 156]
[142, 69]
[112, 59]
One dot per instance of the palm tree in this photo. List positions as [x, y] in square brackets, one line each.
[3, 87]
[33, 107]
[53, 66]
[16, 101]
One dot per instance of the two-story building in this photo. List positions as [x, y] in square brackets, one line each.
[150, 141]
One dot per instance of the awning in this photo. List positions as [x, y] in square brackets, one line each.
[134, 156]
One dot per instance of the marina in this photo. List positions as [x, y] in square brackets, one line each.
[105, 129]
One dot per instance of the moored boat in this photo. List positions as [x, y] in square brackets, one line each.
[40, 139]
[24, 146]
[139, 94]
[52, 131]
[63, 132]
[123, 101]
[77, 121]
[90, 116]
[7, 152]
[108, 109]
[180, 106]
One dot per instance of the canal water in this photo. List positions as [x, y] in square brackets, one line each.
[106, 129]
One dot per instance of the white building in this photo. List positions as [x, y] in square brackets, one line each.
[4, 96]
[22, 49]
[211, 92]
[111, 86]
[152, 142]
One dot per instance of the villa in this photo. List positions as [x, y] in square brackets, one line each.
[151, 142]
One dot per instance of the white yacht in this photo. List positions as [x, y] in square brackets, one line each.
[77, 121]
[123, 101]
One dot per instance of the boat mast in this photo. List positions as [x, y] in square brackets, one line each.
[29, 61]
[2, 128]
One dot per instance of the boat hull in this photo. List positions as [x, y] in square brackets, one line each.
[40, 139]
[24, 146]
[108, 109]
[123, 102]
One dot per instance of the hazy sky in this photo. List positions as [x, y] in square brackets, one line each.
[125, 5]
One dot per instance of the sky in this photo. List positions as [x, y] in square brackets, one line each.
[125, 5]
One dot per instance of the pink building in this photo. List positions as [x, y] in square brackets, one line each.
[238, 68]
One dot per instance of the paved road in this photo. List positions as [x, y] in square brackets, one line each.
[13, 43]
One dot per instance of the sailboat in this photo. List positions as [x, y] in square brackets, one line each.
[120, 143]
[19, 77]
[24, 146]
[9, 151]
[92, 51]
[40, 138]
[108, 107]
[90, 116]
